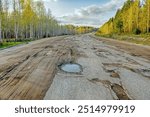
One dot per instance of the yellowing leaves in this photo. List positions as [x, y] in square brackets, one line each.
[131, 18]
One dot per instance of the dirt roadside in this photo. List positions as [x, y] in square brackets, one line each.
[131, 48]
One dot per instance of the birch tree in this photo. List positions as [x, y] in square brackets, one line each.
[16, 18]
[1, 12]
[148, 15]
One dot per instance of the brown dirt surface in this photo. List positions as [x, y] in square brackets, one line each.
[28, 71]
[133, 49]
[111, 70]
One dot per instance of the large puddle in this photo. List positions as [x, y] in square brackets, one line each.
[71, 68]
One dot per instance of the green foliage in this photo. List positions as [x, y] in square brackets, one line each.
[119, 25]
[137, 31]
[83, 29]
[24, 19]
[9, 44]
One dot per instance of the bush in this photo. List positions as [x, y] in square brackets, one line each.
[1, 44]
[137, 31]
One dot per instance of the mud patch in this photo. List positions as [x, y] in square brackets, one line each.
[136, 55]
[112, 64]
[48, 46]
[105, 82]
[111, 67]
[112, 71]
[116, 88]
[120, 92]
[114, 75]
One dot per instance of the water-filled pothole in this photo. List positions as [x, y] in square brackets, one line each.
[71, 68]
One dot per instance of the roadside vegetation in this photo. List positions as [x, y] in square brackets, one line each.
[131, 23]
[143, 39]
[13, 42]
[10, 44]
[22, 20]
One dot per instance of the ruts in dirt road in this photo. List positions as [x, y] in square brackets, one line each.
[109, 72]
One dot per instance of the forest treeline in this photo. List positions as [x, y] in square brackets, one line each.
[80, 29]
[22, 19]
[133, 17]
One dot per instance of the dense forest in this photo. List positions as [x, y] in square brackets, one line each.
[132, 18]
[28, 19]
[79, 29]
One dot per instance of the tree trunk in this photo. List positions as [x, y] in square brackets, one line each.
[26, 32]
[47, 25]
[16, 30]
[3, 35]
[41, 35]
[1, 31]
[31, 31]
[148, 17]
[38, 31]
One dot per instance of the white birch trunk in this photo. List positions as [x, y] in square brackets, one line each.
[1, 31]
[31, 31]
[16, 30]
[148, 17]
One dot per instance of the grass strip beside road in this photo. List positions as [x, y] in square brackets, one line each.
[143, 39]
[11, 44]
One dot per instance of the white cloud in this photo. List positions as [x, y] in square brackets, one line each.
[48, 0]
[92, 15]
[53, 0]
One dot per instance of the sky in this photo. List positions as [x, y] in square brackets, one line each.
[83, 12]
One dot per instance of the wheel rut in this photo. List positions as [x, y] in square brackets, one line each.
[31, 76]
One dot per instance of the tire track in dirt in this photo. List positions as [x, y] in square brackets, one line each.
[31, 77]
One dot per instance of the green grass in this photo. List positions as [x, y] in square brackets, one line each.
[143, 39]
[10, 44]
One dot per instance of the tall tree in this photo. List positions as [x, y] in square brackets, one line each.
[134, 16]
[16, 17]
[148, 15]
[1, 13]
[6, 18]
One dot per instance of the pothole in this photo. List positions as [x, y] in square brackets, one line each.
[120, 92]
[71, 68]
[114, 75]
[116, 88]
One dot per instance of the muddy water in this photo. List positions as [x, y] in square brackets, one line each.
[71, 68]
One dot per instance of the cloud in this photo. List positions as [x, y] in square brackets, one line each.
[48, 0]
[54, 0]
[92, 15]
